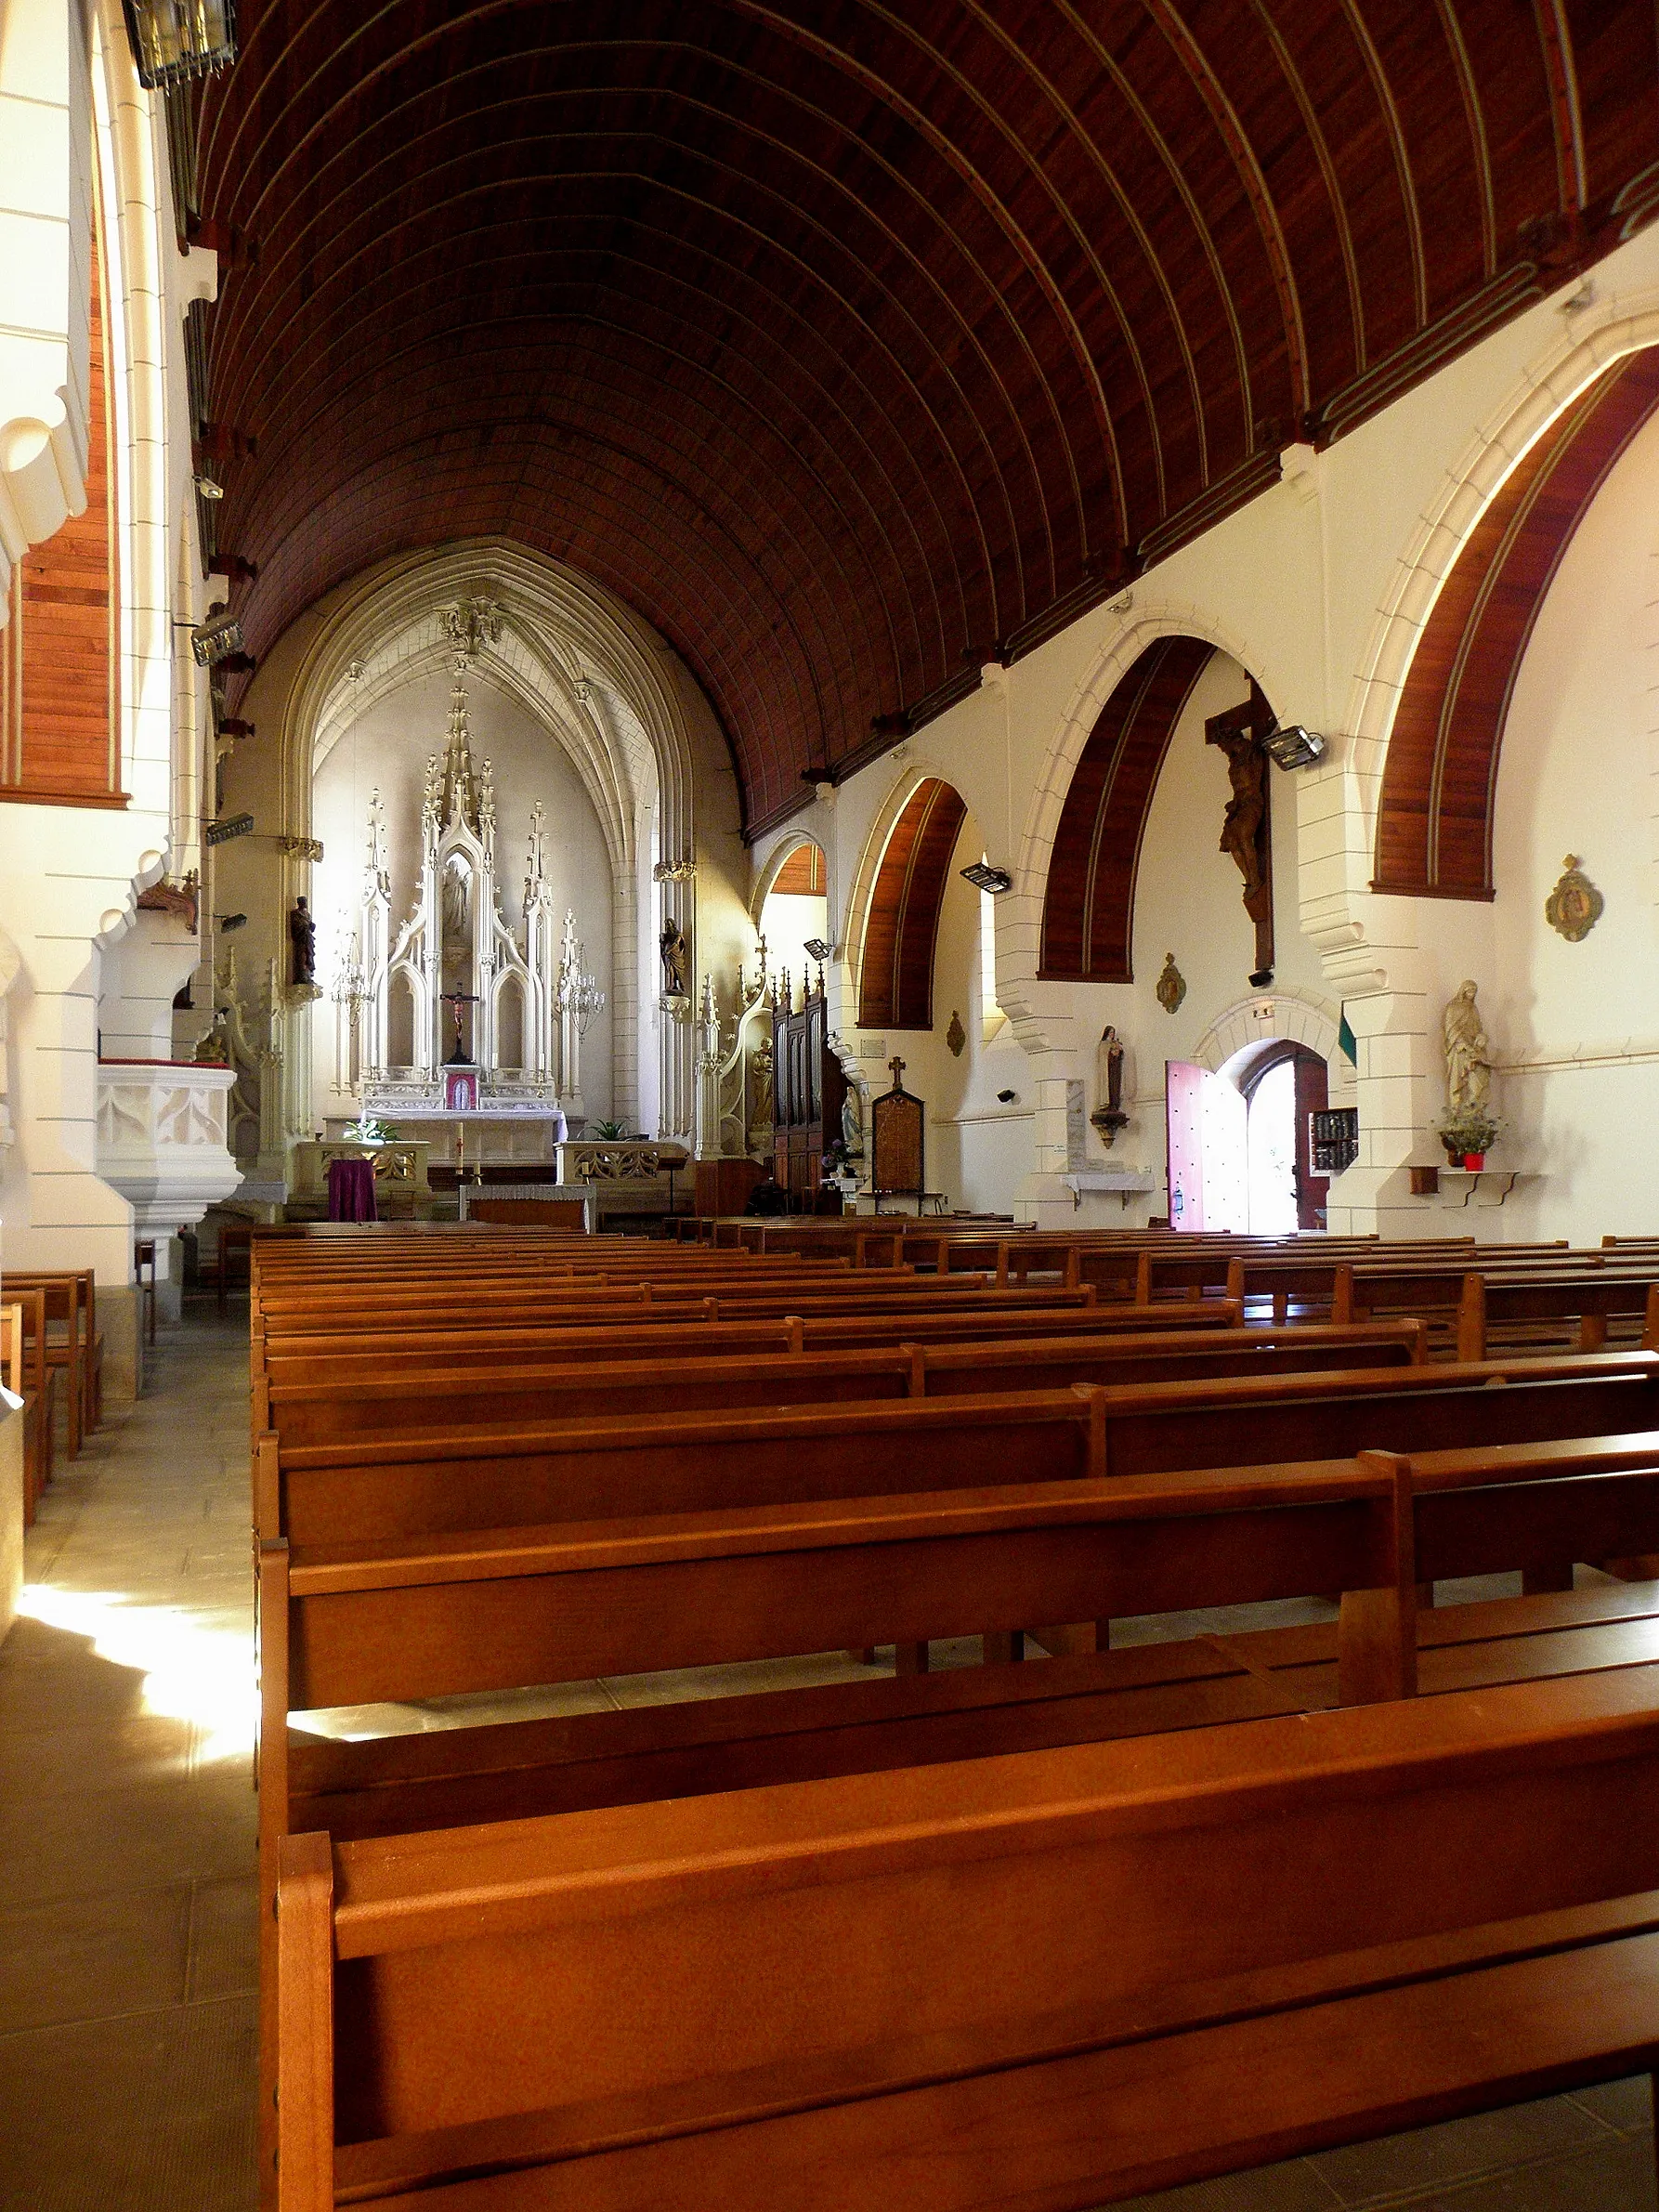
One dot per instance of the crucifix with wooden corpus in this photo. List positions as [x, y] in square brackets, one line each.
[459, 1055]
[1246, 827]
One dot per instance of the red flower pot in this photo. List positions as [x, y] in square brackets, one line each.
[1474, 1162]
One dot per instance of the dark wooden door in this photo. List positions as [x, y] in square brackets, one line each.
[1313, 1096]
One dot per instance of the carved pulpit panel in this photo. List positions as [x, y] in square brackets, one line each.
[895, 1141]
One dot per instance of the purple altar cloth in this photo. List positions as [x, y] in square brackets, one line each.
[351, 1190]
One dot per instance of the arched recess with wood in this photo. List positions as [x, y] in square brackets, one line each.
[896, 984]
[1088, 905]
[1434, 825]
[795, 868]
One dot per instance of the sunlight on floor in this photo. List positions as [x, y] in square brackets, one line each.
[191, 1673]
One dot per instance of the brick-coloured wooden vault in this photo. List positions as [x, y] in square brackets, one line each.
[851, 345]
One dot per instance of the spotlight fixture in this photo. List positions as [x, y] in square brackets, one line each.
[984, 877]
[1006, 1097]
[216, 640]
[221, 833]
[207, 488]
[230, 921]
[1260, 978]
[819, 950]
[175, 40]
[1294, 747]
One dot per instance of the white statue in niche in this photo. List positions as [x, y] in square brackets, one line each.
[851, 1121]
[1468, 1069]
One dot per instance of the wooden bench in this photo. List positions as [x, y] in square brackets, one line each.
[24, 1350]
[368, 1401]
[74, 1346]
[1057, 1979]
[445, 1483]
[324, 1358]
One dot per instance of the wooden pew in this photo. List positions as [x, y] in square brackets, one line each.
[75, 1346]
[1013, 1981]
[367, 1401]
[25, 1354]
[325, 1358]
[437, 1483]
[497, 1608]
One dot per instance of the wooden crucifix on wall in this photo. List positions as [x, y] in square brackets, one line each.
[1246, 827]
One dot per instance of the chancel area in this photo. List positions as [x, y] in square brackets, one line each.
[829, 1242]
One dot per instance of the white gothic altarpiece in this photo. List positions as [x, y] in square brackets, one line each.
[475, 992]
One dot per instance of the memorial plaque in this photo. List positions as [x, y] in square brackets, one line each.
[895, 1141]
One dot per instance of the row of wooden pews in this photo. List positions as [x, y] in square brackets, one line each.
[52, 1336]
[1044, 1934]
[1471, 1297]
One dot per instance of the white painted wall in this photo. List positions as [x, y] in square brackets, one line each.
[1577, 1026]
[1319, 589]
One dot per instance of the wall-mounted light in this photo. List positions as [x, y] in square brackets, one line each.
[1006, 1097]
[216, 639]
[221, 833]
[230, 921]
[175, 40]
[207, 488]
[984, 877]
[819, 950]
[1294, 747]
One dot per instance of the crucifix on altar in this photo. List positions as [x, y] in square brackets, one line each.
[461, 1076]
[896, 1142]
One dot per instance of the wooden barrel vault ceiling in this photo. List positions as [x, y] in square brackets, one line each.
[855, 345]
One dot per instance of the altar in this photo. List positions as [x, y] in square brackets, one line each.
[456, 1029]
[505, 1128]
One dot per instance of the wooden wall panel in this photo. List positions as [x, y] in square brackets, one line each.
[65, 728]
[802, 875]
[895, 982]
[1089, 903]
[1434, 825]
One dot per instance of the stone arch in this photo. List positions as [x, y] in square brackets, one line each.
[1296, 1016]
[1345, 920]
[1039, 1010]
[606, 689]
[915, 770]
[901, 928]
[787, 849]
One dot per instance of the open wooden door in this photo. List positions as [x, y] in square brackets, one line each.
[1313, 1096]
[1208, 1125]
[1183, 1121]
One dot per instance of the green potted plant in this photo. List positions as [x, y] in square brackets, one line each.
[1469, 1133]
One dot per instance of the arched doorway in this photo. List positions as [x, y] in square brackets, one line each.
[1283, 1084]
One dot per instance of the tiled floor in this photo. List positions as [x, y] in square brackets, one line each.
[126, 1852]
[127, 1813]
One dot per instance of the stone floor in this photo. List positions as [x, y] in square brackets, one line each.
[126, 1852]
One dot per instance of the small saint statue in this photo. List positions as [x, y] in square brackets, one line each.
[851, 1122]
[677, 959]
[1108, 1115]
[302, 937]
[1468, 1070]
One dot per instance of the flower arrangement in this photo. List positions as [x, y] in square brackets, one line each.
[367, 1130]
[1469, 1133]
